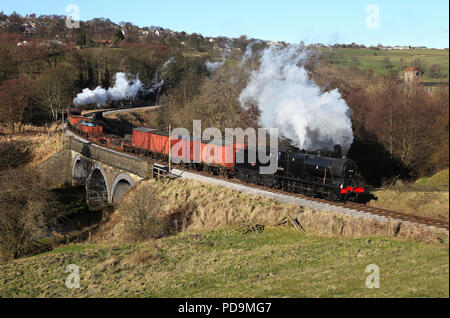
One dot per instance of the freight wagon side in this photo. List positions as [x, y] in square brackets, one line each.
[159, 142]
[141, 138]
[220, 153]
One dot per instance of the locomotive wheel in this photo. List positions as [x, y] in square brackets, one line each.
[330, 196]
[354, 198]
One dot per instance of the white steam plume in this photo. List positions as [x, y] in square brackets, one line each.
[122, 89]
[214, 66]
[295, 105]
[158, 80]
[249, 51]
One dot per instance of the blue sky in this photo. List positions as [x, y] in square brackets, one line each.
[401, 22]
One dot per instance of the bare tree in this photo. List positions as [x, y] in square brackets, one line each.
[13, 102]
[24, 211]
[57, 90]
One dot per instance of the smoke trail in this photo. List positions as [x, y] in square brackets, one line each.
[170, 60]
[295, 105]
[249, 51]
[213, 66]
[122, 89]
[158, 80]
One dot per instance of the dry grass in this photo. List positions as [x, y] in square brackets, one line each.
[438, 182]
[427, 197]
[32, 146]
[198, 206]
[434, 204]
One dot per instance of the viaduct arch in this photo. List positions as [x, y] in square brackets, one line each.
[107, 175]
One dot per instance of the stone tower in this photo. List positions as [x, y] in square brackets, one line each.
[412, 74]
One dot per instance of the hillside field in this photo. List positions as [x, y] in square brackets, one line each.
[427, 197]
[212, 254]
[280, 262]
[372, 59]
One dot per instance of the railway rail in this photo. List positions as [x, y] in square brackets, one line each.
[357, 207]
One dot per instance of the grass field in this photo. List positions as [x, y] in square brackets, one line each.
[437, 182]
[280, 262]
[427, 197]
[372, 59]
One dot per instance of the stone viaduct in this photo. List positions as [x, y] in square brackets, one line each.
[107, 174]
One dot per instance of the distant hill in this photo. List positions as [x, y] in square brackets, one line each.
[100, 31]
[435, 63]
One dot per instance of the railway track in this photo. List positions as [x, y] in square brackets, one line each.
[111, 111]
[357, 207]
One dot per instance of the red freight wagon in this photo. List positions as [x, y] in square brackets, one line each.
[141, 138]
[221, 153]
[159, 141]
[75, 119]
[185, 147]
[90, 128]
[98, 130]
[84, 128]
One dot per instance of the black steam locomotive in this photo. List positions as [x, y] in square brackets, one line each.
[330, 177]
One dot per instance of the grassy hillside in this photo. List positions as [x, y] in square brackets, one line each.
[437, 182]
[210, 253]
[279, 262]
[372, 59]
[427, 196]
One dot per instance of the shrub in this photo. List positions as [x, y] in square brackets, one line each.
[24, 212]
[142, 217]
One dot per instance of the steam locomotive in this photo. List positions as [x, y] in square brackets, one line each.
[313, 174]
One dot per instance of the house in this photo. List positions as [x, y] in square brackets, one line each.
[398, 47]
[412, 74]
[106, 43]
